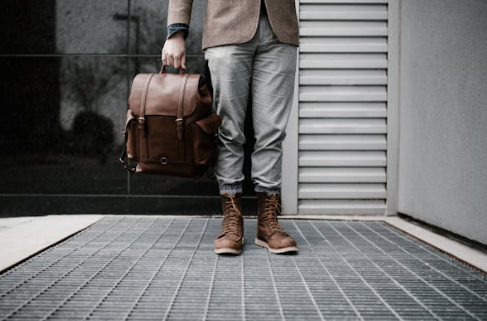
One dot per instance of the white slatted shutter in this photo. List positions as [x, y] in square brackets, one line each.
[342, 107]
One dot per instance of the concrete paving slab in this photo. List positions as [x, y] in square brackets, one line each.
[23, 237]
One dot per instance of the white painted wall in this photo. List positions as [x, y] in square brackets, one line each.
[443, 114]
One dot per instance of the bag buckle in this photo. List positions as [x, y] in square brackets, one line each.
[141, 122]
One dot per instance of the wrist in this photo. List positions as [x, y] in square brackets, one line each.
[179, 35]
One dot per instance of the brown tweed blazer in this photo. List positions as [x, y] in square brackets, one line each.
[235, 21]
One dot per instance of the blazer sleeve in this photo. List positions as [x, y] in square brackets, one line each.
[177, 27]
[179, 12]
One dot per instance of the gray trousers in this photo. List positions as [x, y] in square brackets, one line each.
[263, 68]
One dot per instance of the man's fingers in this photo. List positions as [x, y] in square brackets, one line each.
[183, 62]
[173, 52]
[177, 62]
[167, 61]
[171, 57]
[180, 61]
[171, 60]
[165, 56]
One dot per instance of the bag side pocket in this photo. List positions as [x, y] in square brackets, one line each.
[130, 135]
[205, 133]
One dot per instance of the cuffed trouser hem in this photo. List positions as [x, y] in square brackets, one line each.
[231, 189]
[268, 191]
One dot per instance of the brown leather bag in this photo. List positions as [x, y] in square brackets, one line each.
[171, 128]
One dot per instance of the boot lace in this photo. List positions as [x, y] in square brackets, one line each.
[231, 220]
[272, 208]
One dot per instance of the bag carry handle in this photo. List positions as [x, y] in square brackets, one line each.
[182, 71]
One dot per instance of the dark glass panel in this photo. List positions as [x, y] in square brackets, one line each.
[148, 29]
[65, 117]
[91, 26]
[64, 26]
[28, 27]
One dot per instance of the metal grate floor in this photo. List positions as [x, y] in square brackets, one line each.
[156, 268]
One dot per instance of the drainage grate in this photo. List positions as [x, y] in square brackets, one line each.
[150, 268]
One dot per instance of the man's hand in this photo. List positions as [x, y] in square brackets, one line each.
[174, 51]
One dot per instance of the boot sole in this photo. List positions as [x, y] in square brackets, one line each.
[276, 251]
[228, 251]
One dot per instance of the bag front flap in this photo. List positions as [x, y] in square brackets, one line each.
[163, 94]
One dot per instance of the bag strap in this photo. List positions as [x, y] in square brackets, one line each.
[123, 162]
[143, 101]
[123, 155]
[179, 119]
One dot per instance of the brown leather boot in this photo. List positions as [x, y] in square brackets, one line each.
[270, 234]
[230, 240]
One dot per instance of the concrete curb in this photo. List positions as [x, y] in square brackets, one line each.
[472, 256]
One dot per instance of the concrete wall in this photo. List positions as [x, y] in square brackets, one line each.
[443, 114]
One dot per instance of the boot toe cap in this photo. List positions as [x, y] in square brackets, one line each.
[282, 242]
[231, 244]
[278, 243]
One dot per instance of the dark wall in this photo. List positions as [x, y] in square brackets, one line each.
[66, 67]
